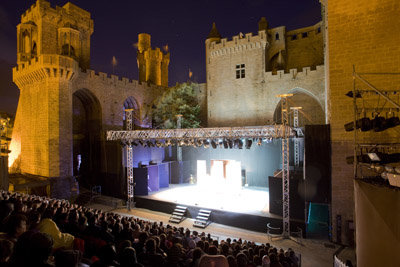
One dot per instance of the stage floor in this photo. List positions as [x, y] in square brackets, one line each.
[248, 200]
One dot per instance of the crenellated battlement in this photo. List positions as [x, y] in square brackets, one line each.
[117, 81]
[51, 66]
[67, 9]
[293, 74]
[238, 44]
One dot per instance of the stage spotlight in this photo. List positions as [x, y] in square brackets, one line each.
[350, 94]
[220, 143]
[230, 143]
[379, 124]
[150, 144]
[134, 143]
[374, 157]
[392, 122]
[259, 142]
[249, 142]
[206, 144]
[389, 168]
[225, 143]
[238, 143]
[199, 143]
[141, 143]
[213, 144]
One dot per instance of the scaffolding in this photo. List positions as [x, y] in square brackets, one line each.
[129, 161]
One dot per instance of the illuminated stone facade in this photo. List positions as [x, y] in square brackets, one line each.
[52, 74]
[363, 34]
[245, 73]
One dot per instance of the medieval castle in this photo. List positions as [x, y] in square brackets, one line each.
[65, 108]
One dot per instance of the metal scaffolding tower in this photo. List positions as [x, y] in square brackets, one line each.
[296, 140]
[285, 165]
[129, 160]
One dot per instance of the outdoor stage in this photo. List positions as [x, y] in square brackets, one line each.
[247, 208]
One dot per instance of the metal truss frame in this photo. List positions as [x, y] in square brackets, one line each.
[269, 131]
[285, 167]
[129, 160]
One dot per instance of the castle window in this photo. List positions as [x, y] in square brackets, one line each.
[277, 36]
[294, 37]
[304, 34]
[240, 71]
[319, 30]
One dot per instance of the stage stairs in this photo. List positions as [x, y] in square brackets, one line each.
[202, 219]
[178, 214]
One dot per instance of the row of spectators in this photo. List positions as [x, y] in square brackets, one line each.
[38, 231]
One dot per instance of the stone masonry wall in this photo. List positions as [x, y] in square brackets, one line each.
[364, 34]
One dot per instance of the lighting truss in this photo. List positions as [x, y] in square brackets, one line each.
[285, 166]
[268, 131]
[129, 159]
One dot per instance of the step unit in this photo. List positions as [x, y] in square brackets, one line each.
[202, 219]
[178, 215]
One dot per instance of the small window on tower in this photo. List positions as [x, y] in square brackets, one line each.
[240, 71]
[304, 34]
[277, 36]
[294, 37]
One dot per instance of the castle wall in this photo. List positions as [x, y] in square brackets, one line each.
[306, 50]
[251, 100]
[363, 34]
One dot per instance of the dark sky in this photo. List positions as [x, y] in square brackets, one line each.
[183, 25]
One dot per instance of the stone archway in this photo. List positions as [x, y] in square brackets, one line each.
[311, 113]
[139, 116]
[87, 138]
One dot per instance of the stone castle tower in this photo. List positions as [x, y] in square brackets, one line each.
[45, 83]
[64, 107]
[152, 63]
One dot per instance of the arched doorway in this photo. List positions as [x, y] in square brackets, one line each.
[87, 127]
[311, 112]
[131, 103]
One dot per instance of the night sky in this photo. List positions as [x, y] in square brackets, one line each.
[183, 25]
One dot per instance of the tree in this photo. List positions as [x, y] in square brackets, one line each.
[180, 99]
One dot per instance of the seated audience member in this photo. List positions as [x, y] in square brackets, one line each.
[15, 226]
[6, 250]
[150, 257]
[48, 226]
[213, 260]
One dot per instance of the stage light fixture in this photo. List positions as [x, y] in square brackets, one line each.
[389, 168]
[392, 122]
[379, 124]
[213, 144]
[141, 143]
[206, 144]
[397, 169]
[230, 143]
[259, 142]
[225, 142]
[374, 156]
[238, 143]
[350, 94]
[249, 142]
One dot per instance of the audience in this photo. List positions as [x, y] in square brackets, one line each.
[38, 231]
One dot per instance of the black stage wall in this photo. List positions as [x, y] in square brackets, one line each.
[317, 164]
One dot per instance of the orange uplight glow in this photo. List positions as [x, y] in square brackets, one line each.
[166, 48]
[15, 148]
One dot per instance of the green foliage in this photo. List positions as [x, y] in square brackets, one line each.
[180, 99]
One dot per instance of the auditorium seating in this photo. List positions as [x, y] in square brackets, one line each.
[110, 239]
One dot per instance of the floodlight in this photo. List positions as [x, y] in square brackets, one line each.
[374, 157]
